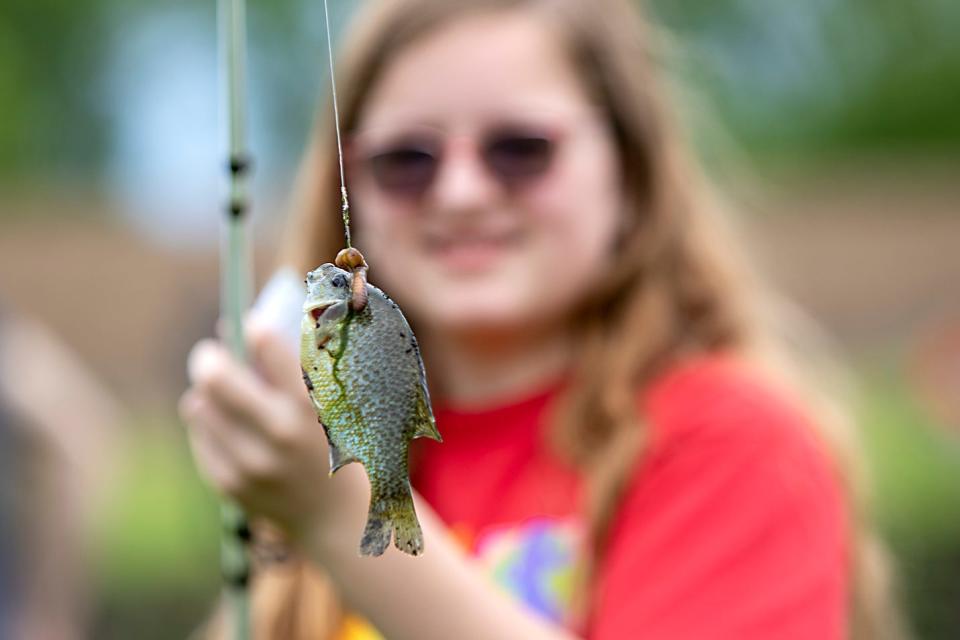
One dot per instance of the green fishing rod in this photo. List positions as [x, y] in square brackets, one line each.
[236, 284]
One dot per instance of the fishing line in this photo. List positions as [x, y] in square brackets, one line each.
[348, 258]
[345, 204]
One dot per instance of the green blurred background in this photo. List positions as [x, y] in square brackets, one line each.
[834, 124]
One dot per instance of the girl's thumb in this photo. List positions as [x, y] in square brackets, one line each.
[273, 357]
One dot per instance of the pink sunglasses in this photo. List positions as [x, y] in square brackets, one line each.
[408, 165]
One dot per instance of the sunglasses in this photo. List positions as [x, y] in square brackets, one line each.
[407, 166]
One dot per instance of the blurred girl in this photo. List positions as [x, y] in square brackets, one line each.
[625, 453]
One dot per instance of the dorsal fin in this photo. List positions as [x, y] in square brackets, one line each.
[427, 429]
[424, 425]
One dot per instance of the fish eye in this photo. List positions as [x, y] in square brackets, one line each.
[339, 281]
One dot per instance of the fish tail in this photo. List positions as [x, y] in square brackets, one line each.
[392, 516]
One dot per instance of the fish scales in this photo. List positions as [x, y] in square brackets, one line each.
[364, 374]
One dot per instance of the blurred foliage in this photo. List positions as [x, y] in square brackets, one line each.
[821, 76]
[916, 463]
[51, 52]
[826, 76]
[916, 471]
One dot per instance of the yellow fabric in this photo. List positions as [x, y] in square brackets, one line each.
[356, 628]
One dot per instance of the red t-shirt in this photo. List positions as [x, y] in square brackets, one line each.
[732, 526]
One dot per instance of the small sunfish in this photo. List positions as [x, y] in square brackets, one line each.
[364, 374]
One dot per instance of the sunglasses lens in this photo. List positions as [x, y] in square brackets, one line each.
[515, 157]
[408, 167]
[406, 170]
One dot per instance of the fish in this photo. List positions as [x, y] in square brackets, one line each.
[365, 377]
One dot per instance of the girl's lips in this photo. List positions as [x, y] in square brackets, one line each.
[470, 253]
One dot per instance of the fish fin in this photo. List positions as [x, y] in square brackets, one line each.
[425, 425]
[394, 517]
[317, 406]
[335, 313]
[328, 326]
[427, 429]
[339, 458]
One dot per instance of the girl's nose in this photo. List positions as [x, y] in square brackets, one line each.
[463, 184]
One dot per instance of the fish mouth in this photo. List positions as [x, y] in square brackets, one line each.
[317, 309]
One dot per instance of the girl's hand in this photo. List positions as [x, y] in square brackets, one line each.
[253, 431]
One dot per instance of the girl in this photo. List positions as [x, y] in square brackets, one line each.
[624, 455]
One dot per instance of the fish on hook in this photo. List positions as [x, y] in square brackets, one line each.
[365, 377]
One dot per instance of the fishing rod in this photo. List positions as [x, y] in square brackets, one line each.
[235, 293]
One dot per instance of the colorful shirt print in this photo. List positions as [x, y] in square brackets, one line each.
[534, 562]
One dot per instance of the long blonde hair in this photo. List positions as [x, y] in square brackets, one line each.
[677, 287]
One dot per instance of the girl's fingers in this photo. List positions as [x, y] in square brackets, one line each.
[276, 362]
[283, 416]
[254, 433]
[269, 476]
[213, 458]
[234, 456]
[233, 386]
